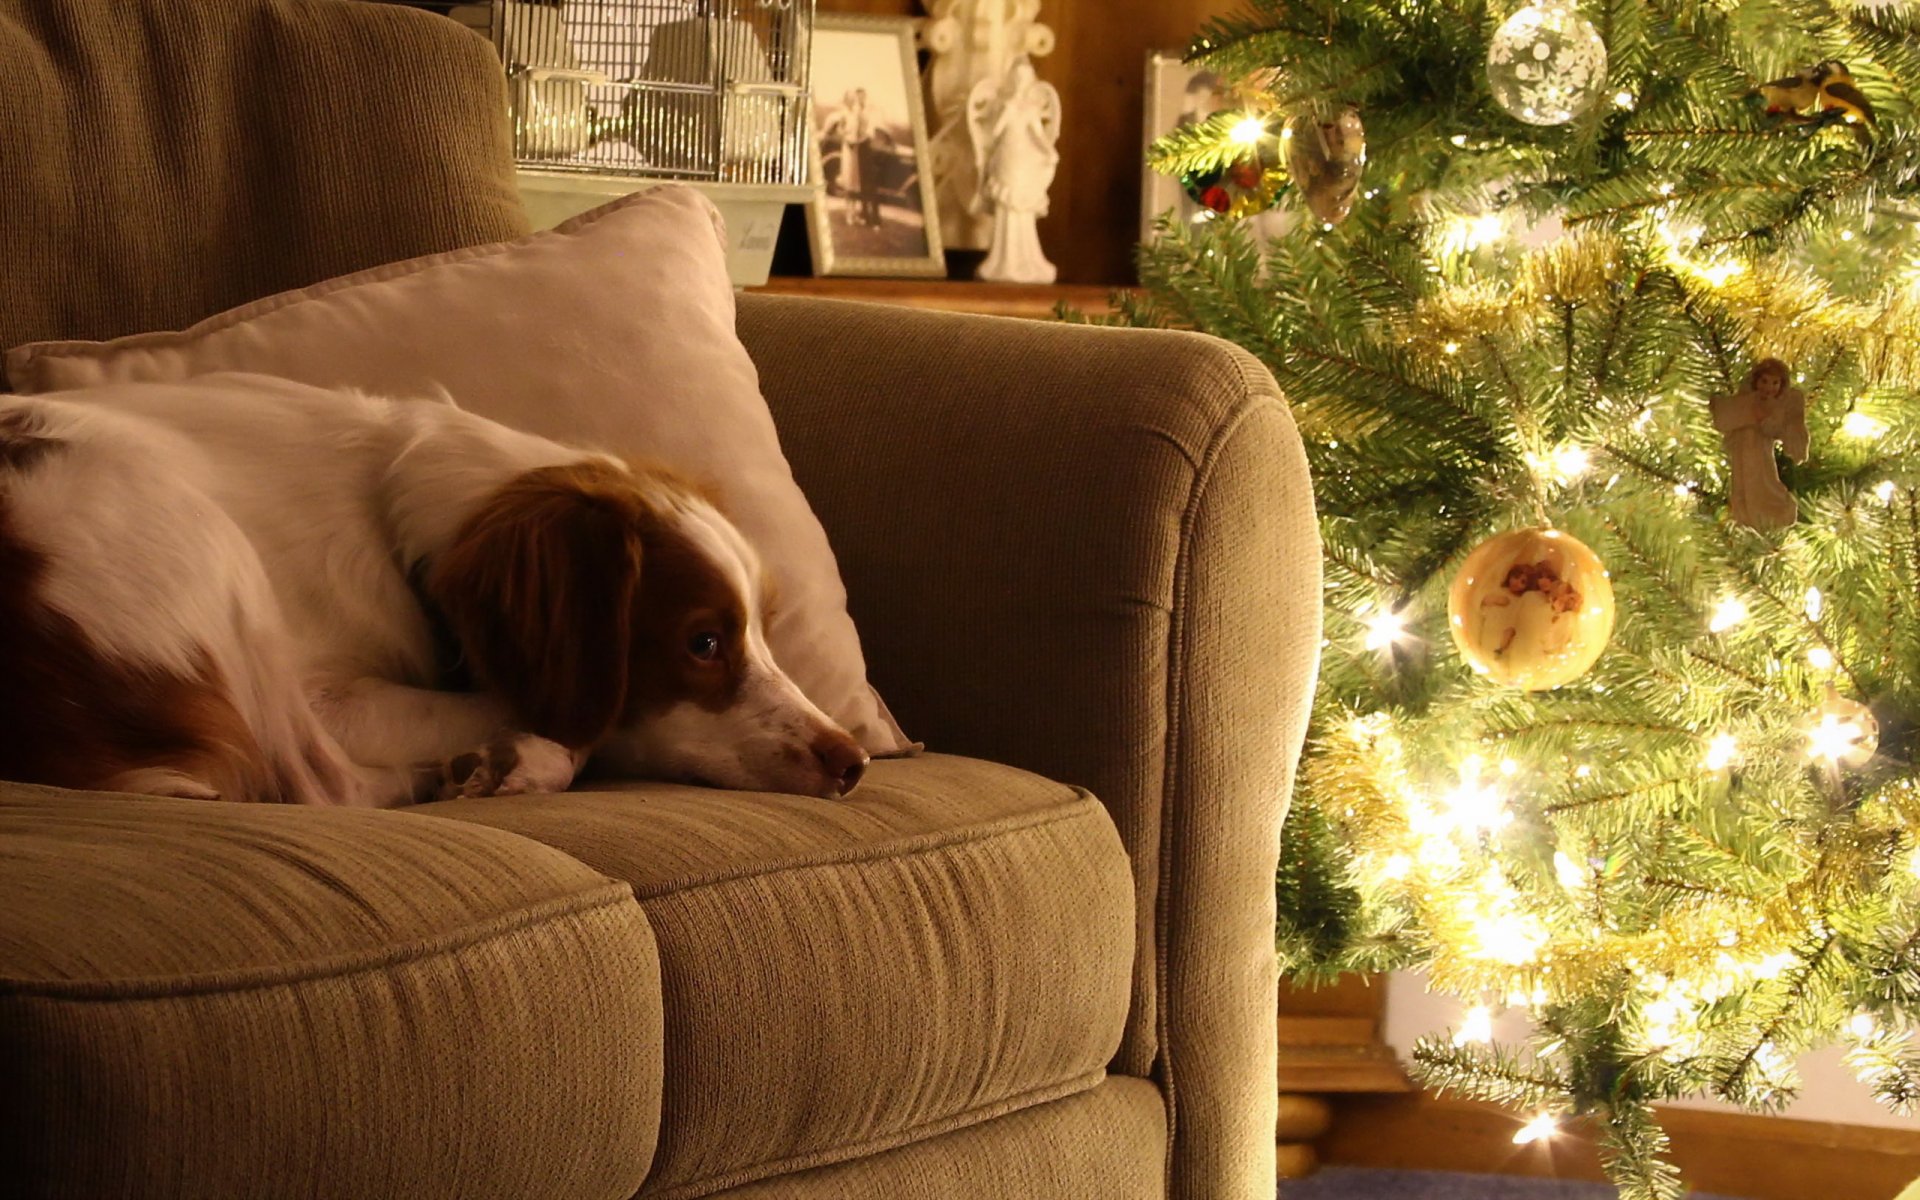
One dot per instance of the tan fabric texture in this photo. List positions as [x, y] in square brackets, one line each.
[163, 160]
[205, 1001]
[614, 330]
[1106, 1144]
[948, 944]
[1090, 553]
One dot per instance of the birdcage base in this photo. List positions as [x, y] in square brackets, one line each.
[752, 210]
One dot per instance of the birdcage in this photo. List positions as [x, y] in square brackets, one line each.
[665, 89]
[608, 95]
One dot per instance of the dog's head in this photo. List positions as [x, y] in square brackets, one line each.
[619, 610]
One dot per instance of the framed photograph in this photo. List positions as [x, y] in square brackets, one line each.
[1179, 94]
[872, 184]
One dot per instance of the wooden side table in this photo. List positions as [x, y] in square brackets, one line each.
[1329, 1045]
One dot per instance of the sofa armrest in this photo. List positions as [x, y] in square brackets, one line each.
[1089, 552]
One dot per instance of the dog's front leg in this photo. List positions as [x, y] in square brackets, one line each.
[445, 744]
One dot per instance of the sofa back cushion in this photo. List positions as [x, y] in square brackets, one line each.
[162, 160]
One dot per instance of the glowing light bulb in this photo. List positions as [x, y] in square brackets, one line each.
[1462, 235]
[1385, 630]
[1729, 612]
[1859, 425]
[1397, 867]
[1862, 1025]
[1718, 273]
[1451, 348]
[1885, 489]
[1820, 658]
[1540, 1128]
[1474, 805]
[1512, 939]
[1623, 99]
[1564, 464]
[1844, 732]
[1568, 872]
[1248, 130]
[1722, 752]
[1476, 1026]
[1816, 604]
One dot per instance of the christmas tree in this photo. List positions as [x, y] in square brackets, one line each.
[1602, 323]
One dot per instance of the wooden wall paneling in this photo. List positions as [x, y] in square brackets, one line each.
[1099, 66]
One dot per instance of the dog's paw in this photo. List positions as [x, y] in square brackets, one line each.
[513, 764]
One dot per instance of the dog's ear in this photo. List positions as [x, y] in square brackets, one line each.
[539, 588]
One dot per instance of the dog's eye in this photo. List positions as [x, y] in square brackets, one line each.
[704, 646]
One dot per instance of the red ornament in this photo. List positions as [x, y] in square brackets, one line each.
[1216, 198]
[1245, 174]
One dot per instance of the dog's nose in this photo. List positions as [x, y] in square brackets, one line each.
[842, 759]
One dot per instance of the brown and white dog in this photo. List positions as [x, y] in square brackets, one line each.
[244, 588]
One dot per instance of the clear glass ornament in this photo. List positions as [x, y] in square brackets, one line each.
[1547, 64]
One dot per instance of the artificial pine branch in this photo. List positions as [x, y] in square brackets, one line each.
[1654, 860]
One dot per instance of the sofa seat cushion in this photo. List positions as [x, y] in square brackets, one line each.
[950, 943]
[218, 1000]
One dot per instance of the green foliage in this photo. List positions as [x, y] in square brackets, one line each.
[1681, 896]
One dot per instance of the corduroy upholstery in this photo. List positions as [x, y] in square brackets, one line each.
[1087, 553]
[203, 1000]
[950, 943]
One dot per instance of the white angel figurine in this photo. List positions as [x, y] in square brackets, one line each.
[1765, 411]
[1014, 126]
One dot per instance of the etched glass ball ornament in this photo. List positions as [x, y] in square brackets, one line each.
[1547, 64]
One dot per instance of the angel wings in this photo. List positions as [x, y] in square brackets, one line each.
[1013, 125]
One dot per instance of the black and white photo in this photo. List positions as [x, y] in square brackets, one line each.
[872, 187]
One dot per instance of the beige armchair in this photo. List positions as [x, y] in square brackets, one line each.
[1034, 962]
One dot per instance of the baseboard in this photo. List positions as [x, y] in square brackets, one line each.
[1733, 1154]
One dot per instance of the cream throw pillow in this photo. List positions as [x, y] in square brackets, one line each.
[614, 330]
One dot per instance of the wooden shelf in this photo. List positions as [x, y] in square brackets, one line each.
[949, 295]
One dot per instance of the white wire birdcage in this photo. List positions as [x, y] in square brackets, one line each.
[699, 90]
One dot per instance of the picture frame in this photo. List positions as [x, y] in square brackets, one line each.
[1180, 93]
[866, 83]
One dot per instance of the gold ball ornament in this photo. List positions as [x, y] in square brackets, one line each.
[1532, 608]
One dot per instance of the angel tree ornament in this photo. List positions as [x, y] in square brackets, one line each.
[970, 41]
[1013, 126]
[1547, 64]
[1767, 410]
